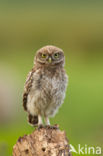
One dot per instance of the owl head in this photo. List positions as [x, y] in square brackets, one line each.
[50, 56]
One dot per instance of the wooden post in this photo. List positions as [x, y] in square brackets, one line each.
[42, 142]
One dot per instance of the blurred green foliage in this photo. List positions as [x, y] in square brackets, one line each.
[77, 28]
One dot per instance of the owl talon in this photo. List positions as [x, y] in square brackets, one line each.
[48, 126]
[55, 127]
[40, 126]
[52, 127]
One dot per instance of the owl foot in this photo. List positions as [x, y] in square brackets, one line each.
[40, 126]
[52, 127]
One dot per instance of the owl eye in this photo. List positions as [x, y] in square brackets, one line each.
[44, 55]
[56, 55]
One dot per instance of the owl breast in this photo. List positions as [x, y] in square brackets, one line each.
[47, 93]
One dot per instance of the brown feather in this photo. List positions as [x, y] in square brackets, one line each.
[27, 88]
[33, 119]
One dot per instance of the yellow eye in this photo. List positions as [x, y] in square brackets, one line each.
[43, 55]
[56, 55]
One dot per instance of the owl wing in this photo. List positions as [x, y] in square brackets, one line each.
[27, 87]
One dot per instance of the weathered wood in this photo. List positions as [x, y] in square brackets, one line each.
[42, 142]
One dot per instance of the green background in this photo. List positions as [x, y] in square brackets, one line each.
[75, 26]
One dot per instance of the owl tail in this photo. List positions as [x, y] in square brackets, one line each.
[33, 120]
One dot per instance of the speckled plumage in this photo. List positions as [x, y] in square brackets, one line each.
[45, 86]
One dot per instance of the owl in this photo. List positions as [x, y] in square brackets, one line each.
[46, 84]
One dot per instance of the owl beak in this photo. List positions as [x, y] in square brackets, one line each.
[49, 60]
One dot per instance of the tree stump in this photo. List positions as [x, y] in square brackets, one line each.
[45, 141]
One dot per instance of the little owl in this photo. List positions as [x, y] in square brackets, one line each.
[45, 87]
